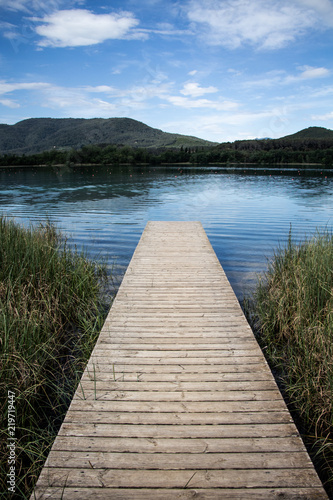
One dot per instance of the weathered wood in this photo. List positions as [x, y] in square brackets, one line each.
[178, 461]
[178, 431]
[92, 395]
[131, 417]
[95, 374]
[223, 478]
[234, 407]
[177, 445]
[299, 493]
[179, 361]
[154, 367]
[177, 400]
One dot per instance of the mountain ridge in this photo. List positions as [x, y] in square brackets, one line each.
[36, 135]
[311, 133]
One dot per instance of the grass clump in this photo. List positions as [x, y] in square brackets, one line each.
[51, 311]
[292, 313]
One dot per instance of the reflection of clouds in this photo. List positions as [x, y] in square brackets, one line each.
[245, 216]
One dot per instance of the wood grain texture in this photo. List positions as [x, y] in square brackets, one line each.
[177, 400]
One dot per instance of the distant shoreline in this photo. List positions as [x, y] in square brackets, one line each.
[189, 164]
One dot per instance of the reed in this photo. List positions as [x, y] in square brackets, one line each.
[51, 311]
[292, 315]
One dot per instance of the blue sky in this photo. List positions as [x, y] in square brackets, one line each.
[221, 70]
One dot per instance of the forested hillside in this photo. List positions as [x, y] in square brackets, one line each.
[309, 146]
[37, 135]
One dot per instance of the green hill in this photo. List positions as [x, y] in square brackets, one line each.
[309, 138]
[313, 145]
[36, 135]
[311, 133]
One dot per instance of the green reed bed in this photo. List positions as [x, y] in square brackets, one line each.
[292, 313]
[51, 311]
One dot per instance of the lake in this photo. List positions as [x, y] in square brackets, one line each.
[246, 212]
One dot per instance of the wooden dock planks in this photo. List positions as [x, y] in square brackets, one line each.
[177, 400]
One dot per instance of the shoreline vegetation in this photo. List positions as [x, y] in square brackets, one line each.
[53, 303]
[291, 313]
[228, 165]
[304, 148]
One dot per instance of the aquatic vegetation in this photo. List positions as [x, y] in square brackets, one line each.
[52, 310]
[292, 313]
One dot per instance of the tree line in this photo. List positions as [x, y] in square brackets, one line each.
[269, 151]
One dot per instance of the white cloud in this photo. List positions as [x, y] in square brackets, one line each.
[325, 117]
[223, 126]
[187, 103]
[267, 24]
[15, 5]
[322, 9]
[9, 103]
[279, 77]
[309, 72]
[6, 87]
[194, 90]
[101, 88]
[30, 6]
[83, 101]
[76, 102]
[79, 27]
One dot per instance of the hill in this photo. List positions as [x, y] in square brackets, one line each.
[311, 133]
[313, 138]
[313, 145]
[36, 135]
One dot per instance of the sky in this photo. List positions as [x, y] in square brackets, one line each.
[221, 70]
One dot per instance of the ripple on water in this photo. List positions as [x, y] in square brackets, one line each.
[246, 215]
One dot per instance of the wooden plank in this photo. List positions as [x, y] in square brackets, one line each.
[222, 370]
[177, 400]
[95, 395]
[179, 361]
[180, 431]
[233, 407]
[95, 374]
[141, 445]
[131, 417]
[223, 478]
[299, 493]
[138, 385]
[178, 461]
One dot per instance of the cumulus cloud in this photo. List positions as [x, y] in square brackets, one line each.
[267, 24]
[194, 90]
[80, 27]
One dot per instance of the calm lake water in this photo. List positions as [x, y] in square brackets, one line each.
[246, 212]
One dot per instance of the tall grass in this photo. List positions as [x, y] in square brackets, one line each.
[51, 311]
[292, 312]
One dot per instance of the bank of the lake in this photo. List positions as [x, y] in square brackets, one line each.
[52, 309]
[292, 314]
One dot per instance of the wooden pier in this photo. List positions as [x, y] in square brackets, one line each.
[177, 400]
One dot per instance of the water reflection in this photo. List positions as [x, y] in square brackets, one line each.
[245, 212]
